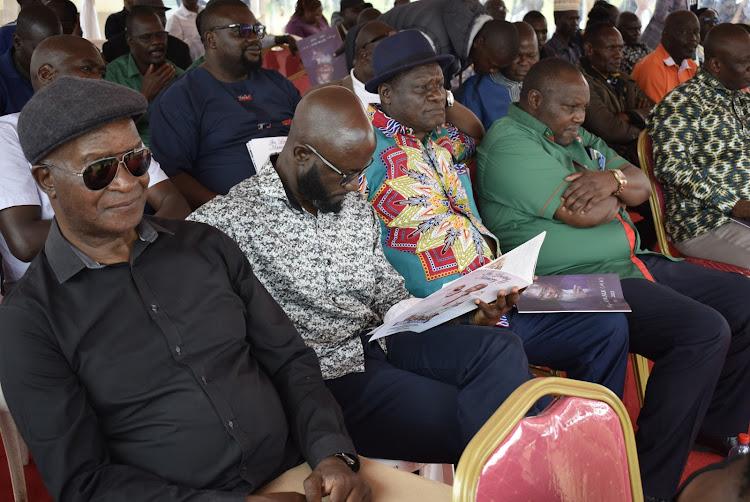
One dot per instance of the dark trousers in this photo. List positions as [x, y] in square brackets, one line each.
[433, 391]
[694, 323]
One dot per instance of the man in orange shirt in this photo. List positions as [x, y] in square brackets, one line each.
[671, 63]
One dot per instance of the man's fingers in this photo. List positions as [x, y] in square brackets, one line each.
[574, 176]
[313, 486]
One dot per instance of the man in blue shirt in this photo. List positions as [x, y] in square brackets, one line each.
[201, 123]
[35, 23]
[489, 94]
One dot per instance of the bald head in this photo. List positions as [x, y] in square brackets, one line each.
[65, 55]
[346, 122]
[494, 47]
[727, 49]
[629, 26]
[321, 165]
[555, 93]
[367, 15]
[528, 53]
[525, 31]
[681, 35]
[496, 9]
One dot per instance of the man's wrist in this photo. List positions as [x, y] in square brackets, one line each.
[351, 460]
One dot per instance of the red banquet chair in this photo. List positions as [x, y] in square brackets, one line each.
[656, 201]
[280, 58]
[581, 448]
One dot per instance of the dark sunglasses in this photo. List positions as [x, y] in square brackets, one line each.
[244, 30]
[100, 173]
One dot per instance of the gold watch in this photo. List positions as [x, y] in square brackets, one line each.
[622, 181]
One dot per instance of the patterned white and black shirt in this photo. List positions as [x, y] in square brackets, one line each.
[327, 272]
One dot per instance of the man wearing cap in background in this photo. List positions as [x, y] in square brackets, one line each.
[146, 69]
[431, 231]
[200, 124]
[181, 24]
[141, 358]
[368, 37]
[488, 95]
[563, 43]
[25, 210]
[177, 51]
[35, 23]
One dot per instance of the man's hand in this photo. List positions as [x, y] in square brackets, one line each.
[333, 477]
[644, 103]
[741, 209]
[276, 497]
[156, 79]
[489, 314]
[288, 40]
[587, 189]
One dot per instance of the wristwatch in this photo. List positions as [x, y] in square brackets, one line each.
[622, 181]
[350, 460]
[449, 99]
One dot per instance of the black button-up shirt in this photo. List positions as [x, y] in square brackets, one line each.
[175, 376]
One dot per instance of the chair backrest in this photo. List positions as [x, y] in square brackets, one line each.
[656, 200]
[282, 60]
[580, 448]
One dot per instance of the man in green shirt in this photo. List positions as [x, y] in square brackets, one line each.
[146, 69]
[539, 170]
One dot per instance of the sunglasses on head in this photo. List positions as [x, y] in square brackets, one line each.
[245, 30]
[100, 173]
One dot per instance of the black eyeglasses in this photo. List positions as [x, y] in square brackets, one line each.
[348, 178]
[100, 173]
[146, 38]
[714, 20]
[244, 30]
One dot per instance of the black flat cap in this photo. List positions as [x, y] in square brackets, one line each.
[70, 107]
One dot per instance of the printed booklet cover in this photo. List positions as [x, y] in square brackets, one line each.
[574, 293]
[317, 52]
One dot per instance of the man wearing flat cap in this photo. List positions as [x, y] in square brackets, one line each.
[140, 357]
[431, 230]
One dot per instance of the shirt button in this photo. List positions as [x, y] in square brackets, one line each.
[203, 379]
[243, 471]
[178, 349]
[154, 308]
[230, 424]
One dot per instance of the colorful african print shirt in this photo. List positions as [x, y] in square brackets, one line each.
[431, 230]
[701, 140]
[631, 54]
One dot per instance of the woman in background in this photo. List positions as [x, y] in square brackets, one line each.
[307, 19]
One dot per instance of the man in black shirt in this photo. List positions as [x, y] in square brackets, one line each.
[140, 357]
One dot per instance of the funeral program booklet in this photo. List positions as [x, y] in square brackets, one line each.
[574, 293]
[515, 268]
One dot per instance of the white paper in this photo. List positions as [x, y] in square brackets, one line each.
[262, 148]
[514, 269]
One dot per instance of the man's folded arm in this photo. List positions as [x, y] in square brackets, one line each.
[51, 409]
[315, 417]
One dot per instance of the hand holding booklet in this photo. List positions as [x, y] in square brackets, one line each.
[514, 269]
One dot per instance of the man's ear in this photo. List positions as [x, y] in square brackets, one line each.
[301, 154]
[588, 49]
[385, 91]
[535, 99]
[46, 73]
[16, 41]
[209, 39]
[43, 177]
[713, 65]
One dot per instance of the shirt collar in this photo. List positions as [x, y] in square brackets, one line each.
[131, 68]
[504, 81]
[359, 89]
[385, 124]
[67, 260]
[7, 67]
[669, 61]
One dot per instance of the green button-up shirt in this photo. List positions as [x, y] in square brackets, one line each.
[521, 176]
[124, 71]
[701, 140]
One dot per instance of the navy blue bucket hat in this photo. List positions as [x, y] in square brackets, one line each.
[400, 52]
